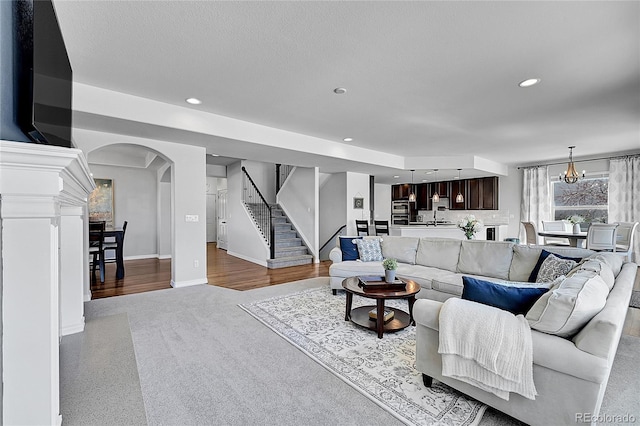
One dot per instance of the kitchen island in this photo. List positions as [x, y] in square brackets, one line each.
[438, 231]
[448, 230]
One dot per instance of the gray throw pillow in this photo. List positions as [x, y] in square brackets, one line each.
[553, 267]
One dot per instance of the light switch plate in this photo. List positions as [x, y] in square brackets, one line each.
[191, 218]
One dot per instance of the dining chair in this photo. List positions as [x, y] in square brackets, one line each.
[382, 227]
[362, 226]
[110, 243]
[556, 225]
[96, 248]
[530, 232]
[602, 236]
[624, 238]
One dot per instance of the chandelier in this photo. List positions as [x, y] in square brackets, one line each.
[571, 175]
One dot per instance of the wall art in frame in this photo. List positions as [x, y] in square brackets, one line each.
[101, 202]
[358, 202]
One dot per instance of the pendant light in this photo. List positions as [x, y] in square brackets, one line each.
[436, 196]
[571, 175]
[412, 194]
[459, 197]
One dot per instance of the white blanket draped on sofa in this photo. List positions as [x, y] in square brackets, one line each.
[486, 347]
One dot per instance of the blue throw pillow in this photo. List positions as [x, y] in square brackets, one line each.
[542, 258]
[517, 300]
[349, 248]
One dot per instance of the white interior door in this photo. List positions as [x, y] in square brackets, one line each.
[222, 219]
[212, 218]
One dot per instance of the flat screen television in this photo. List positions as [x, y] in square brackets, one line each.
[44, 73]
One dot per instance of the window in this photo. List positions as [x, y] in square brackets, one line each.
[587, 197]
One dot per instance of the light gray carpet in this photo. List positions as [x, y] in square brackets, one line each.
[99, 381]
[381, 369]
[635, 299]
[202, 360]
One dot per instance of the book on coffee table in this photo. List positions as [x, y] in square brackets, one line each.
[388, 314]
[371, 282]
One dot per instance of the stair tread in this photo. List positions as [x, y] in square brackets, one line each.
[290, 248]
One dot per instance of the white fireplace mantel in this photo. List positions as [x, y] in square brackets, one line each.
[43, 272]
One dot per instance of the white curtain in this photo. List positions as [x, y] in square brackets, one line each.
[624, 194]
[536, 199]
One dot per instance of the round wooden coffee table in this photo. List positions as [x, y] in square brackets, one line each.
[360, 316]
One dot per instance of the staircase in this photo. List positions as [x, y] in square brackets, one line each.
[289, 249]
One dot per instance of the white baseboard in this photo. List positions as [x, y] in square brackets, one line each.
[164, 256]
[180, 284]
[86, 297]
[249, 259]
[73, 329]
[141, 256]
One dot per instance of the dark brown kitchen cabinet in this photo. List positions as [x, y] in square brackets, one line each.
[458, 187]
[401, 191]
[490, 193]
[442, 188]
[423, 196]
[482, 193]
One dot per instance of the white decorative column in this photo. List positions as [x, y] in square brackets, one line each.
[36, 182]
[73, 257]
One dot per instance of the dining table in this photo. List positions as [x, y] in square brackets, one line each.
[575, 240]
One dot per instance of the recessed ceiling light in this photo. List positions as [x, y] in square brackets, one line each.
[347, 139]
[214, 155]
[339, 90]
[424, 180]
[194, 101]
[529, 82]
[396, 177]
[428, 173]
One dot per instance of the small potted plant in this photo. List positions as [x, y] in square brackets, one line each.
[390, 265]
[576, 220]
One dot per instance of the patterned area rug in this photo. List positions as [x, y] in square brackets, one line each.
[381, 369]
[635, 299]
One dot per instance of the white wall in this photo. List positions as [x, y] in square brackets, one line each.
[382, 202]
[510, 197]
[333, 207]
[135, 200]
[299, 198]
[357, 185]
[164, 219]
[244, 240]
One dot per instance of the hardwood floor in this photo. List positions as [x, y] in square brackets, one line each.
[234, 273]
[222, 270]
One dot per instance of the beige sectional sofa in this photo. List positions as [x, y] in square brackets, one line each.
[571, 361]
[438, 264]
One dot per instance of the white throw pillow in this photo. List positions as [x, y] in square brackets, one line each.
[554, 267]
[599, 267]
[369, 250]
[614, 260]
[569, 305]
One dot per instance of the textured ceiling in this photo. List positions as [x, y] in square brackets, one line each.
[422, 78]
